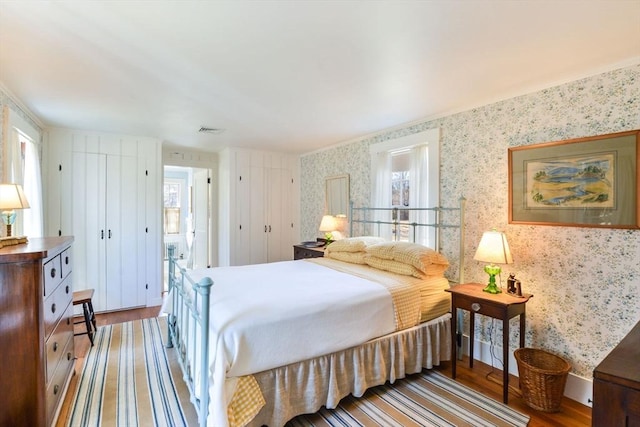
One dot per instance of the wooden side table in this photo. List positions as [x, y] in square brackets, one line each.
[503, 306]
[302, 252]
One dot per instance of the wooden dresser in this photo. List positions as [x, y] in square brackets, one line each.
[36, 330]
[616, 385]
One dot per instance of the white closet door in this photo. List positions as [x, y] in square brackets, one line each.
[275, 212]
[241, 195]
[285, 237]
[122, 239]
[257, 210]
[150, 196]
[88, 212]
[262, 199]
[201, 208]
[58, 190]
[131, 235]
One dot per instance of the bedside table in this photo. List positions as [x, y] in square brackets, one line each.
[302, 252]
[503, 306]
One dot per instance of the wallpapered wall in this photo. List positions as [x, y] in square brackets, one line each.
[584, 280]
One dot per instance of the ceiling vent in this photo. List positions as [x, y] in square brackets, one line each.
[215, 131]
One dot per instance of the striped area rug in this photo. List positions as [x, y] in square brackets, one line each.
[126, 380]
[422, 400]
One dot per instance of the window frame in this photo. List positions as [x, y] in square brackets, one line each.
[430, 138]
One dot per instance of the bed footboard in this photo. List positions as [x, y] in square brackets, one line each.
[188, 327]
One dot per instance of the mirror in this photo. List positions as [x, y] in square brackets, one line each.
[337, 195]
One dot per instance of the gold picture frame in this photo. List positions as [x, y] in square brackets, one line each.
[584, 182]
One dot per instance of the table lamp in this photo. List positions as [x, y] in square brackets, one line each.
[341, 225]
[494, 249]
[11, 197]
[328, 225]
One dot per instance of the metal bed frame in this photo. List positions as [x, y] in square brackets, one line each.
[190, 315]
[437, 225]
[189, 318]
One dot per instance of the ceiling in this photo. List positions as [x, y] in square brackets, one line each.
[295, 76]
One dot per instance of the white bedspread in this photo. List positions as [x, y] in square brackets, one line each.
[269, 315]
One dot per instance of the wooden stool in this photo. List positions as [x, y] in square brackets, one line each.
[84, 297]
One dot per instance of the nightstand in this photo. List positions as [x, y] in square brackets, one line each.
[302, 252]
[503, 306]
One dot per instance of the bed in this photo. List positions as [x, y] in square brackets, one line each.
[260, 344]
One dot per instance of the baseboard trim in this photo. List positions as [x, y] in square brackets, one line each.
[154, 302]
[577, 388]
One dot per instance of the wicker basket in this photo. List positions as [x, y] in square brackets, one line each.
[542, 378]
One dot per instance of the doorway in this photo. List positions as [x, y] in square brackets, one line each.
[186, 214]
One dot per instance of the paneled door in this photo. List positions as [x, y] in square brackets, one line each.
[104, 225]
[88, 224]
[201, 218]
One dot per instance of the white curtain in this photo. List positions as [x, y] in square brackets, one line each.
[23, 167]
[381, 196]
[33, 217]
[419, 185]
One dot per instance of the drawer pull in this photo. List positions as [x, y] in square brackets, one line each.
[56, 389]
[66, 260]
[55, 346]
[68, 356]
[475, 307]
[53, 273]
[53, 308]
[66, 289]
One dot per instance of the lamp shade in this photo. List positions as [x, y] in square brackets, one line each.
[12, 197]
[328, 223]
[494, 248]
[341, 222]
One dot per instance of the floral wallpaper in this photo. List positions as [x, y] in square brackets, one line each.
[585, 281]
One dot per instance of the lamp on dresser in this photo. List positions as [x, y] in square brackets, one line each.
[493, 249]
[11, 197]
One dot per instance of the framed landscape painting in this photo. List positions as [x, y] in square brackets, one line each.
[585, 182]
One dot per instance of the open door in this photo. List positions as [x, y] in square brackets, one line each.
[187, 216]
[201, 205]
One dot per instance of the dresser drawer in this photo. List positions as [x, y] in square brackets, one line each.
[66, 262]
[52, 272]
[58, 341]
[56, 304]
[56, 388]
[472, 305]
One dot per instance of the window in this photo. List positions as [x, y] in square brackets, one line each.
[22, 166]
[172, 194]
[401, 191]
[405, 174]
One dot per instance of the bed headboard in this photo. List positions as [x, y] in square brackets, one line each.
[362, 221]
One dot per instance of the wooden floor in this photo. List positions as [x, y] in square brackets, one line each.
[481, 378]
[489, 382]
